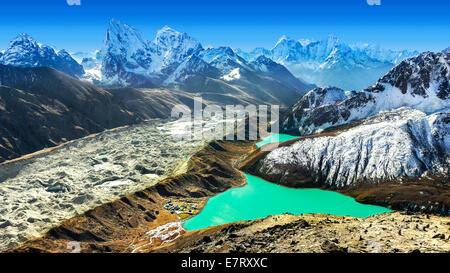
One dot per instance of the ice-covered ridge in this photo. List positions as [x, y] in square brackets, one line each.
[389, 145]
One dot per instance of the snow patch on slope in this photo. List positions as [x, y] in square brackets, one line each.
[233, 75]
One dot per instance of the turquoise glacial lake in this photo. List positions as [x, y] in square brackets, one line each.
[260, 198]
[275, 138]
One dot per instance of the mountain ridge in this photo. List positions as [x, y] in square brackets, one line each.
[176, 60]
[24, 51]
[330, 61]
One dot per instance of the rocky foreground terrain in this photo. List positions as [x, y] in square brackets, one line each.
[384, 233]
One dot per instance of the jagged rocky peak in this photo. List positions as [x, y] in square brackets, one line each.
[420, 82]
[176, 45]
[417, 75]
[265, 65]
[322, 96]
[286, 50]
[169, 44]
[213, 53]
[127, 56]
[24, 51]
[294, 51]
[122, 37]
[192, 66]
[262, 61]
[223, 58]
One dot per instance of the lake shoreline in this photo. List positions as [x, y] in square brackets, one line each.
[259, 199]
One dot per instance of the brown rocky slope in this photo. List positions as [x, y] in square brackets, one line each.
[318, 233]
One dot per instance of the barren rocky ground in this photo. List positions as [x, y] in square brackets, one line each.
[383, 233]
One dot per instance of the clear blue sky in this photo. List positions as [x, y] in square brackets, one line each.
[421, 25]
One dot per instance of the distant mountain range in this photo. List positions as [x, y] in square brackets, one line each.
[175, 59]
[332, 62]
[179, 62]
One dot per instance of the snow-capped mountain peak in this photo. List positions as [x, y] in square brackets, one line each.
[446, 51]
[128, 56]
[223, 58]
[24, 40]
[24, 51]
[122, 37]
[165, 29]
[175, 46]
[330, 61]
[282, 40]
